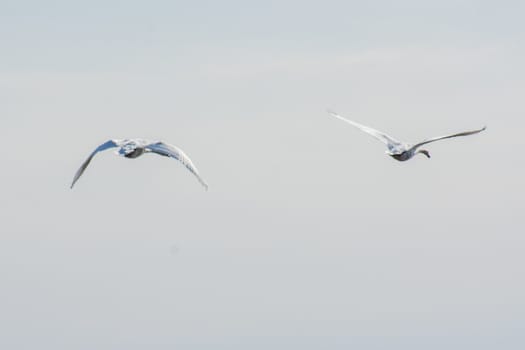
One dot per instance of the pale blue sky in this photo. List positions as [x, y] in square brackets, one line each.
[309, 237]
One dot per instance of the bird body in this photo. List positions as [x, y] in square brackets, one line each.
[399, 150]
[134, 148]
[403, 156]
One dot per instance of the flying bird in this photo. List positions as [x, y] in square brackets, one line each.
[133, 148]
[399, 150]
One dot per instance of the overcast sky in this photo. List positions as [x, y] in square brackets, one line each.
[310, 237]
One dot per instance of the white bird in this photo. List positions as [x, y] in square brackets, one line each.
[133, 148]
[399, 150]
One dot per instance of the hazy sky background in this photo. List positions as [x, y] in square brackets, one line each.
[310, 237]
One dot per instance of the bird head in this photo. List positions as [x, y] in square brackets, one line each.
[425, 152]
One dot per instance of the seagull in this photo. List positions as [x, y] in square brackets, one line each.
[399, 150]
[134, 148]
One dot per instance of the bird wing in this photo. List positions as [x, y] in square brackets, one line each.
[102, 147]
[390, 142]
[465, 133]
[167, 150]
